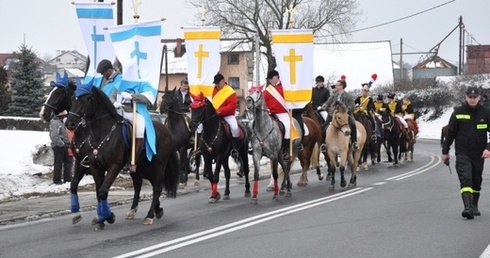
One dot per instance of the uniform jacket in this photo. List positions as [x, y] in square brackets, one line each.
[379, 105]
[274, 106]
[229, 105]
[366, 103]
[395, 107]
[319, 96]
[468, 128]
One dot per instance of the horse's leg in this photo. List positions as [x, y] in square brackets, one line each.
[275, 176]
[304, 160]
[256, 159]
[331, 170]
[353, 165]
[288, 179]
[214, 179]
[79, 172]
[105, 210]
[395, 154]
[157, 186]
[137, 182]
[343, 163]
[226, 168]
[244, 166]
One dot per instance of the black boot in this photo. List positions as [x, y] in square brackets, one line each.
[476, 197]
[235, 143]
[467, 201]
[285, 149]
[353, 133]
[138, 148]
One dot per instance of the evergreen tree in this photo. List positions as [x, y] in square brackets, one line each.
[27, 85]
[4, 95]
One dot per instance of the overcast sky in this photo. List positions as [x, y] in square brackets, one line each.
[50, 25]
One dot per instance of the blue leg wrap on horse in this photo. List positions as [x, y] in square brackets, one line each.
[100, 217]
[105, 209]
[75, 206]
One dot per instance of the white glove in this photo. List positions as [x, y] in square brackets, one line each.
[126, 95]
[117, 105]
[319, 108]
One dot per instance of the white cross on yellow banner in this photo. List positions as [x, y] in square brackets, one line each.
[293, 50]
[203, 58]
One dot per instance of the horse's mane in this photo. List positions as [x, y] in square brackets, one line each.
[72, 86]
[210, 106]
[104, 100]
[339, 106]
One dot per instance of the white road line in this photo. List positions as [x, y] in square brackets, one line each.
[380, 183]
[238, 225]
[422, 169]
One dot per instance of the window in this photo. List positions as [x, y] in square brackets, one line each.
[233, 59]
[234, 82]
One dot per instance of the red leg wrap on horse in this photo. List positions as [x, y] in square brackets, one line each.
[214, 189]
[256, 188]
[276, 187]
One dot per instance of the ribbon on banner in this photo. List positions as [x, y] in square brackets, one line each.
[293, 50]
[203, 58]
[93, 18]
[138, 47]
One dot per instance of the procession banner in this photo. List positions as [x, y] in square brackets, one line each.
[203, 58]
[93, 18]
[138, 49]
[293, 50]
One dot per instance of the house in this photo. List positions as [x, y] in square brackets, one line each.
[432, 67]
[68, 59]
[478, 59]
[236, 67]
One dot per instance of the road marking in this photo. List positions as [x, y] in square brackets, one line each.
[380, 183]
[238, 225]
[417, 171]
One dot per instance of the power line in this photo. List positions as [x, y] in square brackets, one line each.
[397, 20]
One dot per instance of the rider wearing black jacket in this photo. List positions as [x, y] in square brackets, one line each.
[468, 127]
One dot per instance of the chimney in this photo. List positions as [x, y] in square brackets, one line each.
[178, 48]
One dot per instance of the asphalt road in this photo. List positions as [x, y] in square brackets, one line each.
[410, 211]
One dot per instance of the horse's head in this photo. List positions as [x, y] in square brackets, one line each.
[254, 100]
[83, 105]
[59, 99]
[198, 108]
[340, 118]
[169, 102]
[386, 117]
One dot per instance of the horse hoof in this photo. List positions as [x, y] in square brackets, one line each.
[77, 217]
[343, 183]
[130, 214]
[226, 197]
[95, 221]
[240, 174]
[99, 226]
[254, 200]
[282, 192]
[248, 194]
[148, 221]
[320, 177]
[302, 184]
[352, 185]
[331, 187]
[111, 219]
[270, 188]
[275, 198]
[289, 194]
[159, 213]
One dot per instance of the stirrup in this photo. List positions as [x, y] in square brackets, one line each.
[374, 137]
[355, 146]
[234, 153]
[300, 147]
[85, 162]
[323, 147]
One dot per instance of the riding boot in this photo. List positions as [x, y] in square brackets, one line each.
[476, 197]
[235, 142]
[353, 133]
[285, 148]
[323, 147]
[467, 202]
[137, 150]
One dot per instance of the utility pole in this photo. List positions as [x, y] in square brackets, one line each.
[257, 59]
[401, 60]
[461, 44]
[119, 12]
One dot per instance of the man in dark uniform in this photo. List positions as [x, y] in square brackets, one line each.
[468, 127]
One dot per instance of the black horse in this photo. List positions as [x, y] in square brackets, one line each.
[215, 146]
[177, 122]
[108, 153]
[370, 145]
[393, 136]
[60, 99]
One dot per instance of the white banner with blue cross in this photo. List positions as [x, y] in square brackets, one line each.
[93, 18]
[138, 49]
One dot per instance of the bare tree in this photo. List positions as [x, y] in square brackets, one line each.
[248, 19]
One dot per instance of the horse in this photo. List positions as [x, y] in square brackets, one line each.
[59, 99]
[413, 130]
[215, 146]
[313, 127]
[179, 124]
[380, 139]
[105, 146]
[393, 135]
[338, 143]
[370, 145]
[266, 141]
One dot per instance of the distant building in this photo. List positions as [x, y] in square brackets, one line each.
[68, 59]
[432, 67]
[478, 59]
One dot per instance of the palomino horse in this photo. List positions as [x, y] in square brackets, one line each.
[179, 124]
[370, 145]
[338, 144]
[266, 141]
[413, 129]
[393, 136]
[59, 99]
[107, 153]
[215, 145]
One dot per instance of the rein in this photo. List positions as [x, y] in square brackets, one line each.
[338, 127]
[390, 124]
[95, 150]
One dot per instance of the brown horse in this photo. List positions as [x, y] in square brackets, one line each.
[338, 143]
[413, 129]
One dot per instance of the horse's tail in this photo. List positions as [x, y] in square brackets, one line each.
[171, 175]
[315, 154]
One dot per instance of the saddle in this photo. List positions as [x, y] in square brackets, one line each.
[226, 126]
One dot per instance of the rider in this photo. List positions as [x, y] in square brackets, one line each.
[407, 109]
[274, 99]
[344, 97]
[320, 95]
[395, 108]
[225, 101]
[110, 78]
[184, 97]
[379, 104]
[364, 103]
